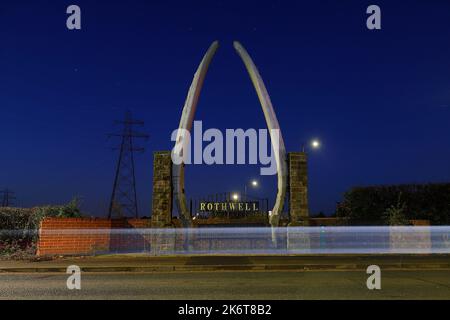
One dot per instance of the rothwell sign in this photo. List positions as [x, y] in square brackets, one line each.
[230, 207]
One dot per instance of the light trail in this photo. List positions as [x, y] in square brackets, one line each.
[261, 240]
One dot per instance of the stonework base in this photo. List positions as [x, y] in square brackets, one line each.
[162, 190]
[298, 188]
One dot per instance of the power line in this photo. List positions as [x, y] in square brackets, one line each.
[124, 198]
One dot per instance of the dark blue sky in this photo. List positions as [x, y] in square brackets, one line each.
[378, 100]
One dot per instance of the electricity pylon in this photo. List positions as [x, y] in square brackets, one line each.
[124, 199]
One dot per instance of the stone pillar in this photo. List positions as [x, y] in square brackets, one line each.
[298, 188]
[162, 190]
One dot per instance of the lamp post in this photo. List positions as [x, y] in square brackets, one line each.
[254, 184]
[314, 144]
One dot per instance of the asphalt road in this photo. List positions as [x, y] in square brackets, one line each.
[229, 285]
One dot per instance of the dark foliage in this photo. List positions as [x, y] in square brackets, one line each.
[419, 201]
[19, 227]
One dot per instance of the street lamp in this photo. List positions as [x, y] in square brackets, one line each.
[235, 196]
[254, 184]
[314, 144]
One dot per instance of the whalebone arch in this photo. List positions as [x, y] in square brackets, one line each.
[187, 120]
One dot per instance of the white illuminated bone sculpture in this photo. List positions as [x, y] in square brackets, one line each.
[187, 120]
[273, 126]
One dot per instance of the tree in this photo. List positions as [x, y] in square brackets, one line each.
[395, 214]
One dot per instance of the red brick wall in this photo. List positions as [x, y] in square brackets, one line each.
[69, 236]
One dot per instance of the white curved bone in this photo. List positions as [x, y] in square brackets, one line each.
[187, 120]
[272, 125]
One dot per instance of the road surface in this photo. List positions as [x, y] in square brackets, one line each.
[229, 285]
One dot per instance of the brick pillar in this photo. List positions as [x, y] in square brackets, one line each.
[298, 188]
[162, 189]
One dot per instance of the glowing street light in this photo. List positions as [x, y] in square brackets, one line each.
[254, 184]
[315, 144]
[235, 196]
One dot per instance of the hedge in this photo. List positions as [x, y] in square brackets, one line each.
[420, 201]
[19, 226]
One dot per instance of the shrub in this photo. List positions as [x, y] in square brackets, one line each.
[419, 201]
[395, 215]
[19, 226]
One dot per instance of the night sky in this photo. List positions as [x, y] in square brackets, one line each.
[378, 100]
